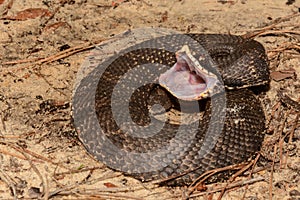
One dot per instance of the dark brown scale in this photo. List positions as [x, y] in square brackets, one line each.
[241, 63]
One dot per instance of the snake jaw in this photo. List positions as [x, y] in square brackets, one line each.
[187, 79]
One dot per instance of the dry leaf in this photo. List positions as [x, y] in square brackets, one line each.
[55, 26]
[110, 185]
[280, 75]
[30, 13]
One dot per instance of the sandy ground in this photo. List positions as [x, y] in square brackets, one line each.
[43, 48]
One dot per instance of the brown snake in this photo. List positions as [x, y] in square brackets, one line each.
[116, 106]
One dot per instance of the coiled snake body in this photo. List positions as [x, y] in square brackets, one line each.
[117, 108]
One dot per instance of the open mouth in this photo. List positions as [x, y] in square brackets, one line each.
[187, 79]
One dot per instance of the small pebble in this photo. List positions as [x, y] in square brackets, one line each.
[294, 193]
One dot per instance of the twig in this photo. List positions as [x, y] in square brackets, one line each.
[98, 196]
[280, 131]
[14, 155]
[232, 185]
[256, 32]
[4, 177]
[77, 171]
[250, 173]
[36, 155]
[238, 173]
[12, 136]
[35, 169]
[272, 172]
[278, 32]
[46, 192]
[21, 61]
[293, 105]
[69, 52]
[67, 190]
[60, 190]
[285, 47]
[55, 57]
[291, 133]
[201, 178]
[210, 173]
[274, 109]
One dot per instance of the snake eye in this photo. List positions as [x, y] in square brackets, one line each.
[187, 79]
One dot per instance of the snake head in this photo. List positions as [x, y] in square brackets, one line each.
[188, 80]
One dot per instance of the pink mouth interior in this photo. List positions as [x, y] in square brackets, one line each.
[183, 81]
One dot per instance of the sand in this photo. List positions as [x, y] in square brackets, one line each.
[40, 154]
